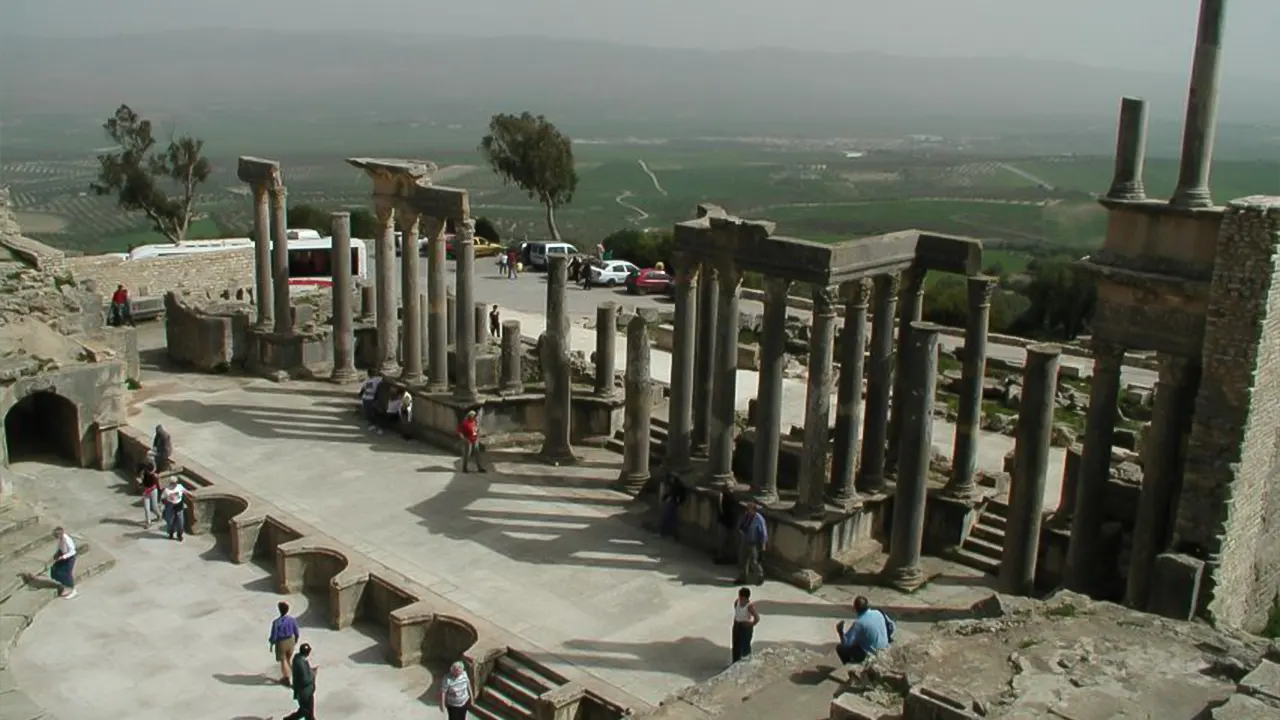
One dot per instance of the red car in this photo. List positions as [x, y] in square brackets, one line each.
[648, 281]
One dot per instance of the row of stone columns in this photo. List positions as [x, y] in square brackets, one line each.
[271, 257]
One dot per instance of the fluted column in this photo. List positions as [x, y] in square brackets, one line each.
[879, 383]
[853, 349]
[385, 265]
[1162, 466]
[910, 307]
[280, 261]
[607, 349]
[725, 394]
[344, 345]
[680, 406]
[1202, 110]
[964, 458]
[262, 267]
[410, 318]
[464, 350]
[773, 360]
[705, 357]
[817, 407]
[1095, 468]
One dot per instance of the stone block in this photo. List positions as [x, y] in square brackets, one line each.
[1263, 682]
[1243, 707]
[856, 707]
[937, 702]
[1176, 581]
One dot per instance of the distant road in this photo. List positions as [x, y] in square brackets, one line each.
[622, 200]
[656, 185]
[1024, 174]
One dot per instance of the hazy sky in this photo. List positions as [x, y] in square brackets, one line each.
[1137, 34]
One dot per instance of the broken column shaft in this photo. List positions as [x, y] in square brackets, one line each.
[464, 366]
[1202, 110]
[1131, 151]
[512, 351]
[606, 348]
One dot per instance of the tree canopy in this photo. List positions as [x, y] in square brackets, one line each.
[527, 151]
[134, 170]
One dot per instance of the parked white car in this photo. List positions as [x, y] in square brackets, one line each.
[539, 253]
[612, 273]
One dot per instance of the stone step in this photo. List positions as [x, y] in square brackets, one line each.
[31, 538]
[528, 673]
[480, 710]
[982, 547]
[503, 704]
[977, 562]
[21, 601]
[89, 562]
[995, 522]
[995, 536]
[997, 508]
[15, 517]
[510, 687]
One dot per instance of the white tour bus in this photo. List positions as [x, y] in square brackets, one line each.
[310, 255]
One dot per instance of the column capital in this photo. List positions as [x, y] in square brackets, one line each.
[406, 217]
[684, 267]
[824, 300]
[1174, 370]
[384, 211]
[1107, 353]
[776, 288]
[911, 280]
[857, 293]
[890, 283]
[466, 232]
[981, 288]
[278, 192]
[260, 191]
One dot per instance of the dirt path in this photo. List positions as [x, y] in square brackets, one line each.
[656, 185]
[622, 200]
[1026, 175]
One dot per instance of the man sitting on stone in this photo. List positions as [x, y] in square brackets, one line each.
[121, 312]
[469, 433]
[871, 632]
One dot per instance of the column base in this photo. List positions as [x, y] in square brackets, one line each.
[389, 369]
[466, 397]
[633, 483]
[412, 379]
[344, 375]
[964, 493]
[558, 456]
[809, 512]
[509, 389]
[905, 579]
[847, 503]
[721, 479]
[437, 386]
[871, 484]
[607, 394]
[766, 498]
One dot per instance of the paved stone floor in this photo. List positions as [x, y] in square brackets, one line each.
[175, 631]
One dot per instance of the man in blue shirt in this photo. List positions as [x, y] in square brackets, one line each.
[871, 632]
[755, 540]
[284, 635]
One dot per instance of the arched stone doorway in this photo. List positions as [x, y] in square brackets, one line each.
[42, 424]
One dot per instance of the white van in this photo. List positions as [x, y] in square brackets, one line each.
[540, 252]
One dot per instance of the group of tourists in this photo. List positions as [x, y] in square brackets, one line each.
[165, 501]
[509, 265]
[385, 405]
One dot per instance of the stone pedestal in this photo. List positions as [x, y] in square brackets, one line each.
[1026, 494]
[411, 320]
[964, 459]
[385, 265]
[639, 408]
[817, 407]
[262, 265]
[725, 392]
[606, 348]
[1083, 561]
[704, 371]
[879, 384]
[464, 253]
[280, 262]
[438, 336]
[910, 307]
[344, 340]
[768, 417]
[557, 446]
[902, 570]
[853, 348]
[512, 370]
[680, 407]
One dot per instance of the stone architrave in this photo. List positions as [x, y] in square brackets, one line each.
[512, 368]
[680, 407]
[464, 350]
[411, 319]
[262, 266]
[964, 458]
[606, 348]
[1162, 463]
[280, 261]
[438, 322]
[1030, 476]
[638, 408]
[853, 350]
[902, 570]
[724, 396]
[1201, 125]
[910, 307]
[704, 371]
[481, 321]
[557, 446]
[385, 265]
[879, 382]
[344, 350]
[814, 470]
[773, 360]
[1083, 562]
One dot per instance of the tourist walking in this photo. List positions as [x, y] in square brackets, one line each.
[121, 311]
[304, 685]
[150, 481]
[63, 568]
[727, 549]
[162, 448]
[871, 632]
[503, 259]
[368, 399]
[456, 692]
[752, 542]
[284, 636]
[495, 323]
[469, 433]
[745, 619]
[513, 264]
[674, 493]
[174, 497]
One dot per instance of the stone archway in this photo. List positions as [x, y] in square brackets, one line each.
[41, 424]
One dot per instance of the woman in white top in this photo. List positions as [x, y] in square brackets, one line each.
[62, 571]
[745, 619]
[175, 508]
[456, 692]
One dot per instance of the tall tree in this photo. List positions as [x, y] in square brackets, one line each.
[527, 151]
[133, 171]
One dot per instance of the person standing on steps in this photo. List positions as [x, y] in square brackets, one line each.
[162, 448]
[456, 692]
[304, 685]
[745, 619]
[284, 636]
[469, 433]
[150, 480]
[175, 508]
[495, 323]
[63, 568]
[753, 541]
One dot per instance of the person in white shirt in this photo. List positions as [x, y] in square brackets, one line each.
[456, 692]
[404, 412]
[62, 571]
[368, 395]
[174, 498]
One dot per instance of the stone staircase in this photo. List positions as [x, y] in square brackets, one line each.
[984, 547]
[657, 442]
[512, 689]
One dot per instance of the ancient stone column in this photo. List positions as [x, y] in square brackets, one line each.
[280, 261]
[437, 308]
[512, 352]
[817, 407]
[773, 360]
[262, 266]
[910, 307]
[853, 350]
[1131, 151]
[368, 302]
[481, 320]
[879, 381]
[607, 348]
[705, 358]
[464, 351]
[964, 458]
[1202, 110]
[385, 265]
[557, 446]
[724, 396]
[1162, 460]
[680, 404]
[639, 408]
[1026, 493]
[344, 341]
[451, 325]
[902, 569]
[411, 318]
[1095, 468]
[1070, 481]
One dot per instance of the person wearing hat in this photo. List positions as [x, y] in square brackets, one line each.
[469, 432]
[304, 685]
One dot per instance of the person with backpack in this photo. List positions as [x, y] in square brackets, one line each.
[871, 632]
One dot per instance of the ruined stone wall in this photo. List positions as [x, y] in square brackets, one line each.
[211, 339]
[1226, 512]
[211, 272]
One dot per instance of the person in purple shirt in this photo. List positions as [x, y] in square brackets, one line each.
[284, 637]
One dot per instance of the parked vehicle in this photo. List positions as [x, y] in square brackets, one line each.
[611, 273]
[648, 280]
[538, 253]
